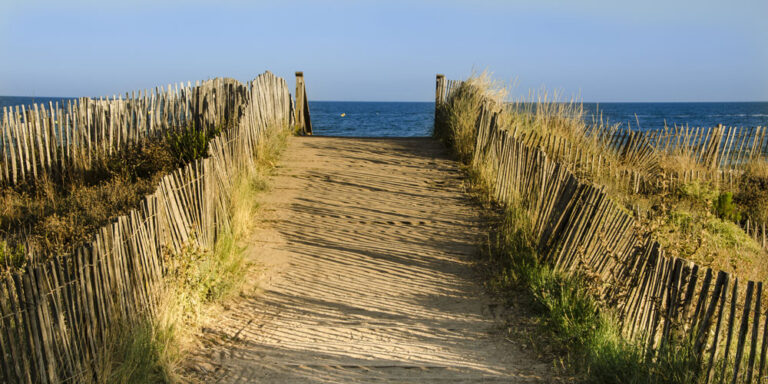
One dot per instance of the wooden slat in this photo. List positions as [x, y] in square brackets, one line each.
[743, 331]
[755, 325]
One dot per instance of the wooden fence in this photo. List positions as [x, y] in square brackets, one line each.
[717, 147]
[56, 140]
[719, 155]
[579, 229]
[57, 317]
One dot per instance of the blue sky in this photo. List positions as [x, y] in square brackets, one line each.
[604, 51]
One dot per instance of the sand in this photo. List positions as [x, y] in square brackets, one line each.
[365, 248]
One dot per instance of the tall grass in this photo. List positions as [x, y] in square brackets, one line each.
[704, 229]
[576, 322]
[53, 216]
[455, 121]
[570, 317]
[198, 281]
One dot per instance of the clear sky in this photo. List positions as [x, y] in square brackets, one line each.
[604, 50]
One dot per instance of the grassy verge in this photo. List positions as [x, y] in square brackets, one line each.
[572, 323]
[55, 215]
[199, 281]
[697, 221]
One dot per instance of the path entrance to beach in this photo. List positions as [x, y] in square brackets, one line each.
[367, 247]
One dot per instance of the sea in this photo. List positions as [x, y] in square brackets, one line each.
[346, 118]
[13, 101]
[374, 119]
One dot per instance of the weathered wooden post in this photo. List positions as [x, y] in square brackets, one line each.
[302, 106]
[439, 99]
[439, 90]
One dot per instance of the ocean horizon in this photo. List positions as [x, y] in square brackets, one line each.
[415, 118]
[362, 118]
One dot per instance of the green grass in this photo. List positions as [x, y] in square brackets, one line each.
[11, 257]
[571, 320]
[711, 237]
[198, 280]
[141, 353]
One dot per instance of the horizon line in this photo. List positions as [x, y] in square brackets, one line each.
[432, 101]
[586, 102]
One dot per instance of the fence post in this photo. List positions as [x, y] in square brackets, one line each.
[439, 89]
[439, 96]
[302, 105]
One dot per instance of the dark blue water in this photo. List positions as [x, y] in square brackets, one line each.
[655, 115]
[12, 101]
[416, 119]
[371, 118]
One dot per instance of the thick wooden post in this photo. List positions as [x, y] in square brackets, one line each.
[439, 98]
[439, 89]
[302, 106]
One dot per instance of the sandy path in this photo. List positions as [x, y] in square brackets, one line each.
[367, 245]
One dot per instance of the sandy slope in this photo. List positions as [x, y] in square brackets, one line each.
[367, 245]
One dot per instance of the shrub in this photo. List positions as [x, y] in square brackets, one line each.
[190, 143]
[141, 161]
[12, 256]
[699, 192]
[753, 191]
[455, 120]
[725, 209]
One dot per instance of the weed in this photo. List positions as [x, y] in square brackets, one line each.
[571, 316]
[12, 257]
[190, 143]
[752, 194]
[196, 280]
[725, 209]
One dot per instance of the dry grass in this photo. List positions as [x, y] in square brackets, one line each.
[752, 193]
[52, 217]
[572, 325]
[689, 223]
[455, 124]
[198, 283]
[571, 316]
[686, 225]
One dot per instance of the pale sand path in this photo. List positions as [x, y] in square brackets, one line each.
[367, 246]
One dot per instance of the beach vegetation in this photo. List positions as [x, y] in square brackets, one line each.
[698, 220]
[197, 285]
[53, 216]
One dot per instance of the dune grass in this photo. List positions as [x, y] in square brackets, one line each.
[695, 221]
[56, 214]
[571, 320]
[693, 225]
[51, 217]
[455, 121]
[198, 283]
